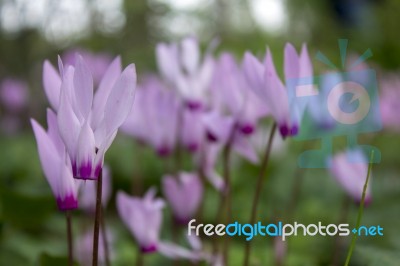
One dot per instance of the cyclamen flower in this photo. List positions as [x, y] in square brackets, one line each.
[55, 163]
[184, 195]
[265, 82]
[350, 169]
[143, 217]
[389, 104]
[154, 116]
[14, 94]
[87, 193]
[181, 65]
[232, 93]
[84, 247]
[88, 122]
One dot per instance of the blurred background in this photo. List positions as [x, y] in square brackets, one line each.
[32, 231]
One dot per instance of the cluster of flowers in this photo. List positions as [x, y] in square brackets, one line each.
[199, 103]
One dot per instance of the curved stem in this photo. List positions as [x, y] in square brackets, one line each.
[69, 236]
[258, 188]
[360, 211]
[97, 220]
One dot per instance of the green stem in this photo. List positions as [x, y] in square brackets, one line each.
[227, 196]
[69, 236]
[360, 211]
[258, 188]
[97, 218]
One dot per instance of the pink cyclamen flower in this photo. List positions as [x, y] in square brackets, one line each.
[181, 65]
[389, 104]
[143, 217]
[350, 169]
[87, 192]
[88, 121]
[55, 163]
[265, 82]
[231, 92]
[84, 247]
[154, 116]
[14, 94]
[184, 195]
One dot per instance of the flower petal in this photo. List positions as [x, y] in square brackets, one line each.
[190, 54]
[51, 84]
[102, 93]
[86, 153]
[120, 100]
[49, 157]
[83, 85]
[291, 62]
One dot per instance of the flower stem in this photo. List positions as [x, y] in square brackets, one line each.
[258, 188]
[97, 220]
[227, 196]
[139, 258]
[105, 240]
[360, 211]
[69, 236]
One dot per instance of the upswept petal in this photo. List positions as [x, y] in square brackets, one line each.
[53, 131]
[167, 61]
[83, 86]
[291, 62]
[276, 94]
[86, 153]
[306, 68]
[68, 125]
[190, 54]
[102, 93]
[51, 84]
[120, 100]
[67, 197]
[254, 70]
[48, 155]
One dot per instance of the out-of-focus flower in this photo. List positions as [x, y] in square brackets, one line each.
[265, 82]
[280, 250]
[14, 94]
[88, 122]
[143, 217]
[181, 65]
[389, 103]
[55, 163]
[184, 195]
[97, 62]
[84, 247]
[195, 253]
[193, 131]
[154, 116]
[232, 93]
[87, 193]
[350, 169]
